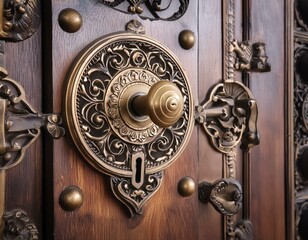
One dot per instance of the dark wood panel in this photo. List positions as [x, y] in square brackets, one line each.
[268, 166]
[24, 182]
[167, 215]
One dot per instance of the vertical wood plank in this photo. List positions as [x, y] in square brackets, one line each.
[24, 182]
[268, 159]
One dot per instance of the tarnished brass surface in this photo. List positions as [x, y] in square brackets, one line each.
[135, 26]
[112, 121]
[21, 122]
[225, 195]
[250, 57]
[230, 117]
[153, 10]
[186, 186]
[19, 226]
[163, 104]
[18, 19]
[70, 20]
[187, 39]
[71, 198]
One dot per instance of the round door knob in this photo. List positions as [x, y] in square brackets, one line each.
[163, 104]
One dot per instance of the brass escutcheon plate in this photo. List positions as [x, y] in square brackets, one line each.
[100, 84]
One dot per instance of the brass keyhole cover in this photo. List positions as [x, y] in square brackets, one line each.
[102, 84]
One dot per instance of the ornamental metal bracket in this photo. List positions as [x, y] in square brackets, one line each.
[19, 226]
[19, 123]
[225, 195]
[150, 9]
[19, 19]
[230, 117]
[250, 57]
[19, 127]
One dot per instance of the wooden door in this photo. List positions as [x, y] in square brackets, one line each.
[50, 166]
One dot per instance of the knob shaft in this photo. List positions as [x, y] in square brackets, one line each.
[163, 104]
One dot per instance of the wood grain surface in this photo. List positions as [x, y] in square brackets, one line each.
[36, 184]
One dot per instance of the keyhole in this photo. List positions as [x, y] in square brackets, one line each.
[138, 170]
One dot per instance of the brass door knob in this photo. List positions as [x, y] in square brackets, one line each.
[163, 104]
[130, 112]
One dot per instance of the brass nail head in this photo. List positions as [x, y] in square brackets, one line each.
[70, 20]
[187, 39]
[186, 186]
[71, 198]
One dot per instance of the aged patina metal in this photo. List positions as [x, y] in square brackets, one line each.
[250, 57]
[230, 117]
[113, 117]
[187, 39]
[71, 198]
[225, 195]
[186, 186]
[19, 19]
[70, 20]
[154, 8]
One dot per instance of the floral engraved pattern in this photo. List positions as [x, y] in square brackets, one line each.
[111, 71]
[116, 140]
[136, 198]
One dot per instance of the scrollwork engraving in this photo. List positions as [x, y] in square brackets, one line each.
[153, 8]
[18, 226]
[134, 198]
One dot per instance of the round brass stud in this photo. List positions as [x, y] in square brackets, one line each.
[70, 20]
[71, 198]
[187, 39]
[186, 186]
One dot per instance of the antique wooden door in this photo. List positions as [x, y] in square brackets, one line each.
[231, 179]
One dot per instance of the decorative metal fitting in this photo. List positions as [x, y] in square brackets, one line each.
[19, 123]
[154, 7]
[230, 116]
[70, 20]
[135, 26]
[114, 121]
[71, 198]
[225, 195]
[18, 226]
[186, 186]
[19, 19]
[187, 39]
[250, 57]
[243, 230]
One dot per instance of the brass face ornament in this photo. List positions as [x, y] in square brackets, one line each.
[129, 111]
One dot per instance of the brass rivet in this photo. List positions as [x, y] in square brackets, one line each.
[70, 20]
[186, 186]
[187, 39]
[71, 198]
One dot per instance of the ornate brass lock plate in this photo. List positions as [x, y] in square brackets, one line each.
[111, 116]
